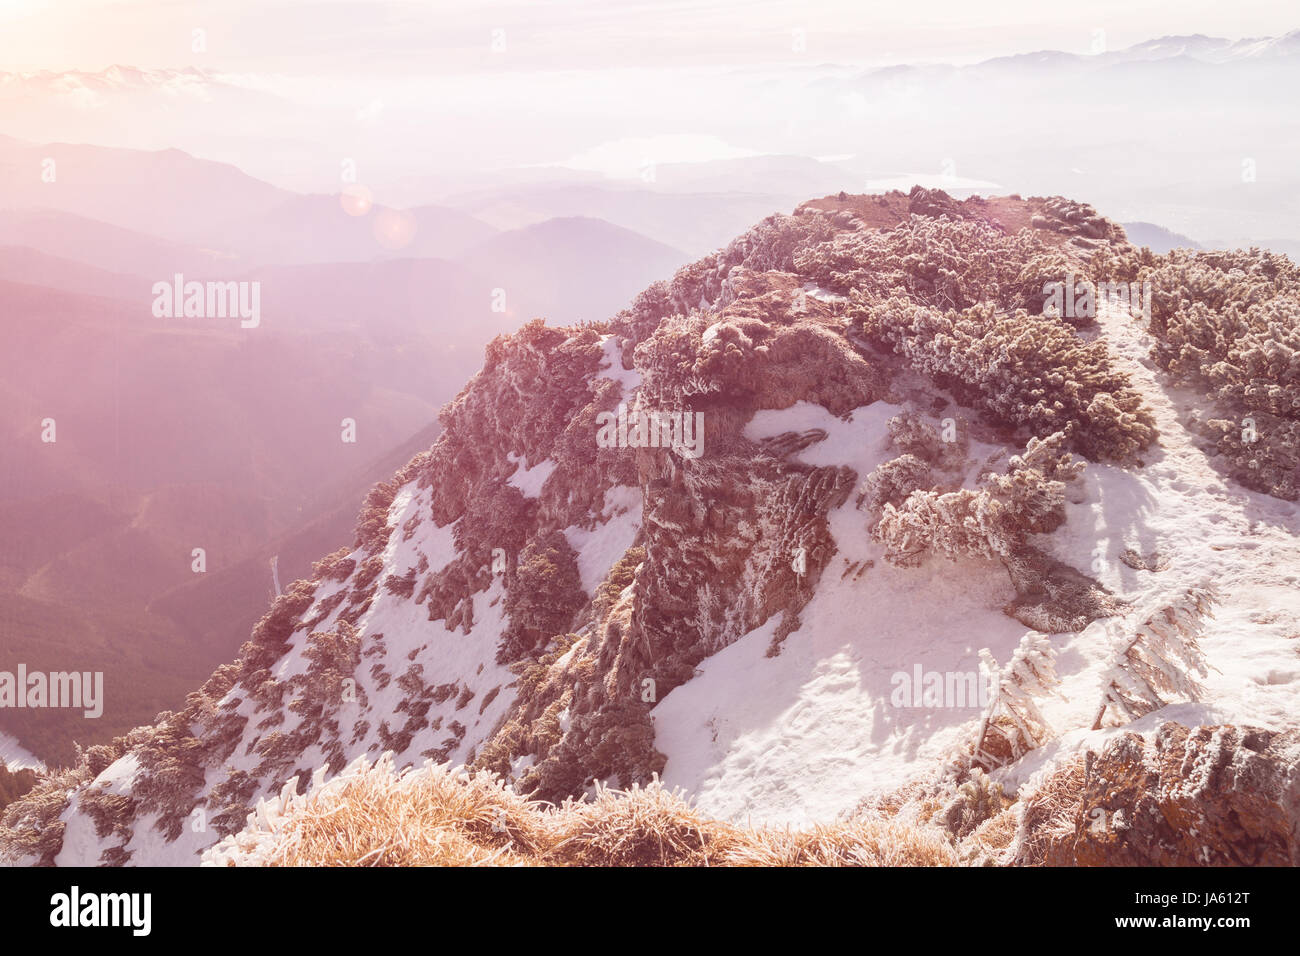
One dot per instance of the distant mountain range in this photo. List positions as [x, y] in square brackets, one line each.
[166, 193]
[1199, 47]
[1157, 238]
[1211, 159]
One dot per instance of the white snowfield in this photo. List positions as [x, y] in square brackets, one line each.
[822, 733]
[612, 367]
[599, 548]
[804, 736]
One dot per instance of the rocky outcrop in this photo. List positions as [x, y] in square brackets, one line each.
[1208, 796]
[934, 203]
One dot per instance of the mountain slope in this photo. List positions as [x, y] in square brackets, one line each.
[696, 222]
[578, 269]
[905, 457]
[108, 247]
[174, 435]
[316, 229]
[1157, 238]
[109, 184]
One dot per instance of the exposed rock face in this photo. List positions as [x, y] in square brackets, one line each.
[934, 203]
[1210, 796]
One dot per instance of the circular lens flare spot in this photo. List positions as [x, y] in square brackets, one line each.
[394, 228]
[356, 200]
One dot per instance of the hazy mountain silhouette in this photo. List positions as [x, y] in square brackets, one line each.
[166, 192]
[23, 264]
[694, 222]
[110, 247]
[575, 268]
[316, 229]
[1158, 238]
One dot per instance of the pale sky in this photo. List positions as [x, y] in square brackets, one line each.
[454, 36]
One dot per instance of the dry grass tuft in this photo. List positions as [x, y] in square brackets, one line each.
[868, 841]
[370, 815]
[1048, 822]
[649, 826]
[991, 841]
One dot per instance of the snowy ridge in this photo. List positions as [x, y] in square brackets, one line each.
[823, 734]
[1209, 531]
[740, 624]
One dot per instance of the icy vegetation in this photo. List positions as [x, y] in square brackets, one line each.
[947, 551]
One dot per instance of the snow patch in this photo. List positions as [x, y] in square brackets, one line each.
[612, 366]
[17, 757]
[822, 295]
[599, 548]
[529, 480]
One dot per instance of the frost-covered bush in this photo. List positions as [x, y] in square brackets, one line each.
[14, 783]
[542, 595]
[336, 566]
[1264, 452]
[1012, 724]
[1160, 661]
[891, 482]
[1032, 288]
[992, 521]
[776, 242]
[943, 263]
[1229, 322]
[372, 524]
[32, 826]
[1026, 371]
[772, 245]
[333, 657]
[1074, 218]
[913, 435]
[668, 358]
[976, 799]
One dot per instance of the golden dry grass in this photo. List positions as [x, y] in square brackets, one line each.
[435, 816]
[1048, 823]
[990, 843]
[862, 842]
[648, 826]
